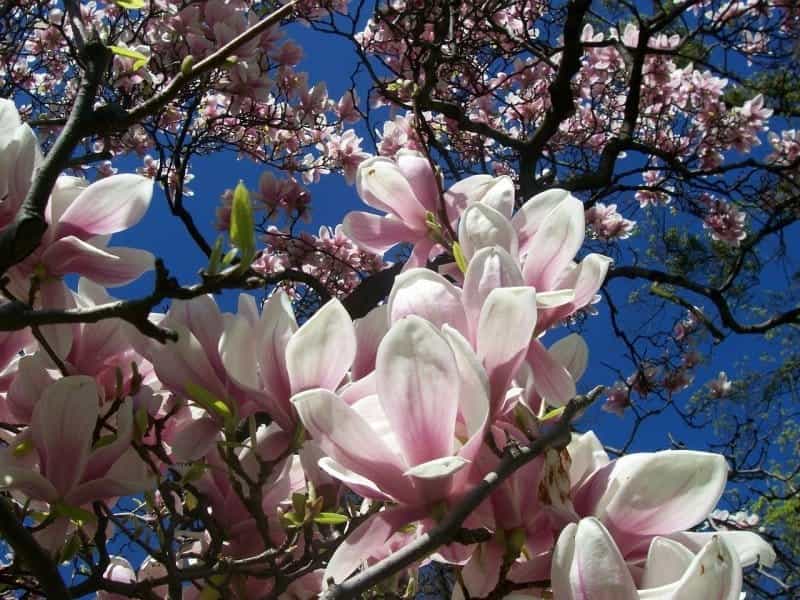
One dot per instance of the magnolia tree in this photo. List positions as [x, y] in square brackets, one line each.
[373, 424]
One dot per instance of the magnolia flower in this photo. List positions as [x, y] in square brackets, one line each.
[425, 425]
[588, 564]
[271, 358]
[406, 188]
[56, 460]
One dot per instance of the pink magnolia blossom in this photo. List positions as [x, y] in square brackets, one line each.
[271, 358]
[71, 468]
[407, 190]
[425, 425]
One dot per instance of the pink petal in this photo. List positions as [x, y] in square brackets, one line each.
[426, 294]
[588, 565]
[417, 170]
[194, 438]
[554, 245]
[416, 371]
[482, 572]
[369, 333]
[347, 438]
[18, 474]
[108, 267]
[666, 563]
[497, 192]
[714, 573]
[367, 540]
[505, 329]
[490, 268]
[381, 184]
[656, 494]
[128, 475]
[107, 206]
[750, 547]
[419, 254]
[531, 215]
[375, 233]
[551, 380]
[481, 226]
[62, 426]
[573, 353]
[237, 349]
[322, 350]
[202, 317]
[102, 458]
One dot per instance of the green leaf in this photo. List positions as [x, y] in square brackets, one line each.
[105, 440]
[327, 518]
[209, 401]
[215, 259]
[229, 256]
[242, 230]
[77, 515]
[140, 59]
[556, 412]
[131, 4]
[458, 254]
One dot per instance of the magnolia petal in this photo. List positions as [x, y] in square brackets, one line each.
[376, 233]
[586, 456]
[342, 434]
[369, 333]
[322, 350]
[571, 352]
[108, 267]
[531, 215]
[659, 493]
[497, 192]
[554, 298]
[62, 426]
[202, 317]
[20, 476]
[366, 540]
[666, 563]
[482, 572]
[428, 295]
[237, 349]
[505, 329]
[360, 485]
[555, 244]
[714, 573]
[489, 269]
[419, 254]
[107, 206]
[128, 475]
[194, 438]
[482, 226]
[381, 184]
[102, 458]
[750, 547]
[588, 564]
[275, 329]
[551, 379]
[437, 468]
[416, 371]
[418, 172]
[474, 383]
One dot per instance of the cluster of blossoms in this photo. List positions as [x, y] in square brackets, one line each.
[258, 104]
[606, 224]
[669, 375]
[724, 220]
[406, 407]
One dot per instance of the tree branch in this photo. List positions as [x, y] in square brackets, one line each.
[27, 550]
